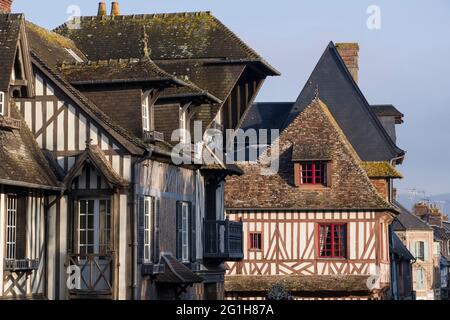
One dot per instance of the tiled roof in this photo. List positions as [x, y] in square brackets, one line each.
[298, 283]
[176, 273]
[10, 25]
[21, 160]
[122, 70]
[335, 86]
[441, 233]
[131, 142]
[51, 47]
[408, 221]
[381, 169]
[159, 36]
[350, 186]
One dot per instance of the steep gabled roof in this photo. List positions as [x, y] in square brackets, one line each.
[52, 48]
[95, 156]
[21, 160]
[406, 221]
[350, 189]
[400, 250]
[122, 70]
[337, 89]
[217, 80]
[161, 36]
[133, 144]
[10, 25]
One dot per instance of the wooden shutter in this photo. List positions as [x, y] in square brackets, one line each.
[192, 233]
[21, 223]
[426, 251]
[141, 209]
[329, 174]
[179, 230]
[156, 223]
[297, 168]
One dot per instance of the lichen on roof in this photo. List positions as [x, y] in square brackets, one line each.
[381, 169]
[51, 37]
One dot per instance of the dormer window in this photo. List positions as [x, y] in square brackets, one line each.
[183, 126]
[312, 173]
[2, 103]
[147, 116]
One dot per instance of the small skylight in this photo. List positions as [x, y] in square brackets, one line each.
[74, 55]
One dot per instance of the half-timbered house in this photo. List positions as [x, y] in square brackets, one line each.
[320, 225]
[119, 218]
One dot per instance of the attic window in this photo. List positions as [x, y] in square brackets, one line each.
[2, 103]
[74, 55]
[311, 173]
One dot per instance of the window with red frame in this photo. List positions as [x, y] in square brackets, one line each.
[313, 172]
[333, 241]
[255, 241]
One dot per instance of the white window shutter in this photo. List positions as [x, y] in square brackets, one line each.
[426, 253]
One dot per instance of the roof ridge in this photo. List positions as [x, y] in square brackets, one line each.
[136, 17]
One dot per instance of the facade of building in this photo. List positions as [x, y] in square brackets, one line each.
[439, 222]
[417, 236]
[320, 224]
[92, 202]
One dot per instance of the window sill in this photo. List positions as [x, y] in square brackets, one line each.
[325, 259]
[313, 187]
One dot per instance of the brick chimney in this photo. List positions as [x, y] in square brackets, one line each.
[101, 9]
[429, 213]
[5, 6]
[115, 9]
[349, 53]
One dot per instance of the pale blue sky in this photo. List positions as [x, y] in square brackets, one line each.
[406, 62]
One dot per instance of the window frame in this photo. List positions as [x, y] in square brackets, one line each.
[146, 124]
[149, 214]
[251, 246]
[2, 103]
[185, 221]
[183, 124]
[344, 255]
[420, 246]
[11, 227]
[314, 170]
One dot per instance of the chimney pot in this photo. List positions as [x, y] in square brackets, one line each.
[349, 53]
[101, 9]
[5, 6]
[115, 9]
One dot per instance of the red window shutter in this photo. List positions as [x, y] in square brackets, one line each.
[297, 171]
[329, 174]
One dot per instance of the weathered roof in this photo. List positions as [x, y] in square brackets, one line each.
[128, 140]
[337, 89]
[95, 156]
[407, 221]
[351, 190]
[52, 48]
[21, 160]
[441, 233]
[160, 36]
[10, 25]
[380, 169]
[217, 80]
[299, 283]
[308, 151]
[121, 70]
[400, 250]
[176, 273]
